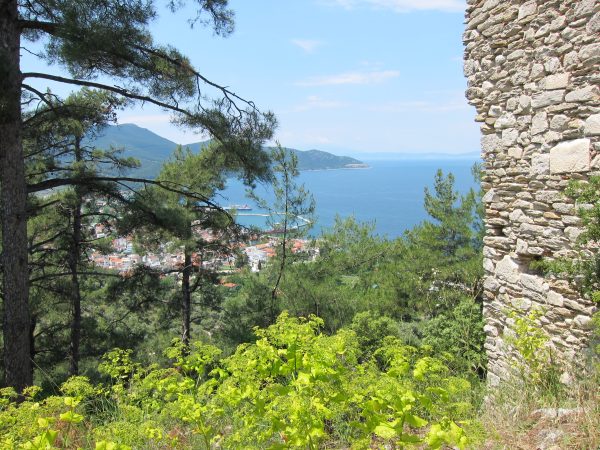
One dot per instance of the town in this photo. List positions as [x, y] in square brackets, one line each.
[254, 253]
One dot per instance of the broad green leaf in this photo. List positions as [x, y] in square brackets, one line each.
[415, 421]
[385, 431]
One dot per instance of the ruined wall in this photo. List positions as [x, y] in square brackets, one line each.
[533, 75]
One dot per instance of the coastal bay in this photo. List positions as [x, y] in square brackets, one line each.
[389, 193]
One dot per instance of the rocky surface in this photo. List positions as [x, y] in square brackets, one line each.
[533, 76]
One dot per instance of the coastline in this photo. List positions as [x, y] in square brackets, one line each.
[362, 167]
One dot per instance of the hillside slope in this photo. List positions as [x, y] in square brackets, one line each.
[152, 149]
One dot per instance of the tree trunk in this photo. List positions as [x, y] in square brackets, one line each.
[74, 258]
[186, 297]
[32, 326]
[13, 197]
[283, 249]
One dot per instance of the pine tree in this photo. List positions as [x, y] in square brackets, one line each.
[56, 146]
[290, 214]
[93, 38]
[184, 219]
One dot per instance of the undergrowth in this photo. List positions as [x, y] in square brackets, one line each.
[535, 408]
[294, 387]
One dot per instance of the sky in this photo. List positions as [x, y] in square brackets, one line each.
[352, 77]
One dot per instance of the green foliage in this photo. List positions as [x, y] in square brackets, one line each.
[426, 286]
[290, 215]
[444, 256]
[583, 269]
[534, 363]
[370, 331]
[294, 387]
[459, 331]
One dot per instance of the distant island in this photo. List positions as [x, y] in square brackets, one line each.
[152, 150]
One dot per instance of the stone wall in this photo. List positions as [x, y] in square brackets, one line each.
[533, 76]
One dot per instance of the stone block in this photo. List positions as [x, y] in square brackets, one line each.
[573, 233]
[585, 7]
[521, 303]
[593, 25]
[509, 137]
[508, 270]
[490, 330]
[530, 230]
[592, 125]
[556, 81]
[559, 122]
[495, 111]
[579, 306]
[563, 208]
[548, 196]
[558, 23]
[519, 216]
[526, 10]
[571, 156]
[537, 71]
[516, 54]
[491, 284]
[582, 321]
[522, 204]
[552, 65]
[586, 94]
[506, 120]
[555, 299]
[512, 104]
[522, 247]
[540, 164]
[571, 220]
[551, 216]
[547, 98]
[539, 123]
[490, 143]
[515, 152]
[490, 197]
[534, 283]
[525, 101]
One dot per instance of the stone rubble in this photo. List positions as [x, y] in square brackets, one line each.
[533, 76]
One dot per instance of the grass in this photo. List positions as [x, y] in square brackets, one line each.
[521, 416]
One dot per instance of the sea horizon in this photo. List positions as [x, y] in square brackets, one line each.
[389, 194]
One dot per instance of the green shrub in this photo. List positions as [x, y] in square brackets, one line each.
[294, 387]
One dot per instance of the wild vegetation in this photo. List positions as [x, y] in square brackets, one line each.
[361, 342]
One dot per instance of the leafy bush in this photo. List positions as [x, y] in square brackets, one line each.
[294, 387]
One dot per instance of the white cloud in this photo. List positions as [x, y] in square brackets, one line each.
[404, 6]
[315, 102]
[372, 77]
[308, 45]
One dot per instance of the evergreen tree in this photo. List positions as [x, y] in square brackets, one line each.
[444, 253]
[185, 218]
[91, 39]
[290, 215]
[55, 146]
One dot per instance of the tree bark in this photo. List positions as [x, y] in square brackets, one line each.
[16, 319]
[283, 247]
[74, 258]
[186, 297]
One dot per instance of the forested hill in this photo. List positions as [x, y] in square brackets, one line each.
[152, 150]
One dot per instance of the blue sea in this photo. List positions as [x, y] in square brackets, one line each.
[388, 194]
